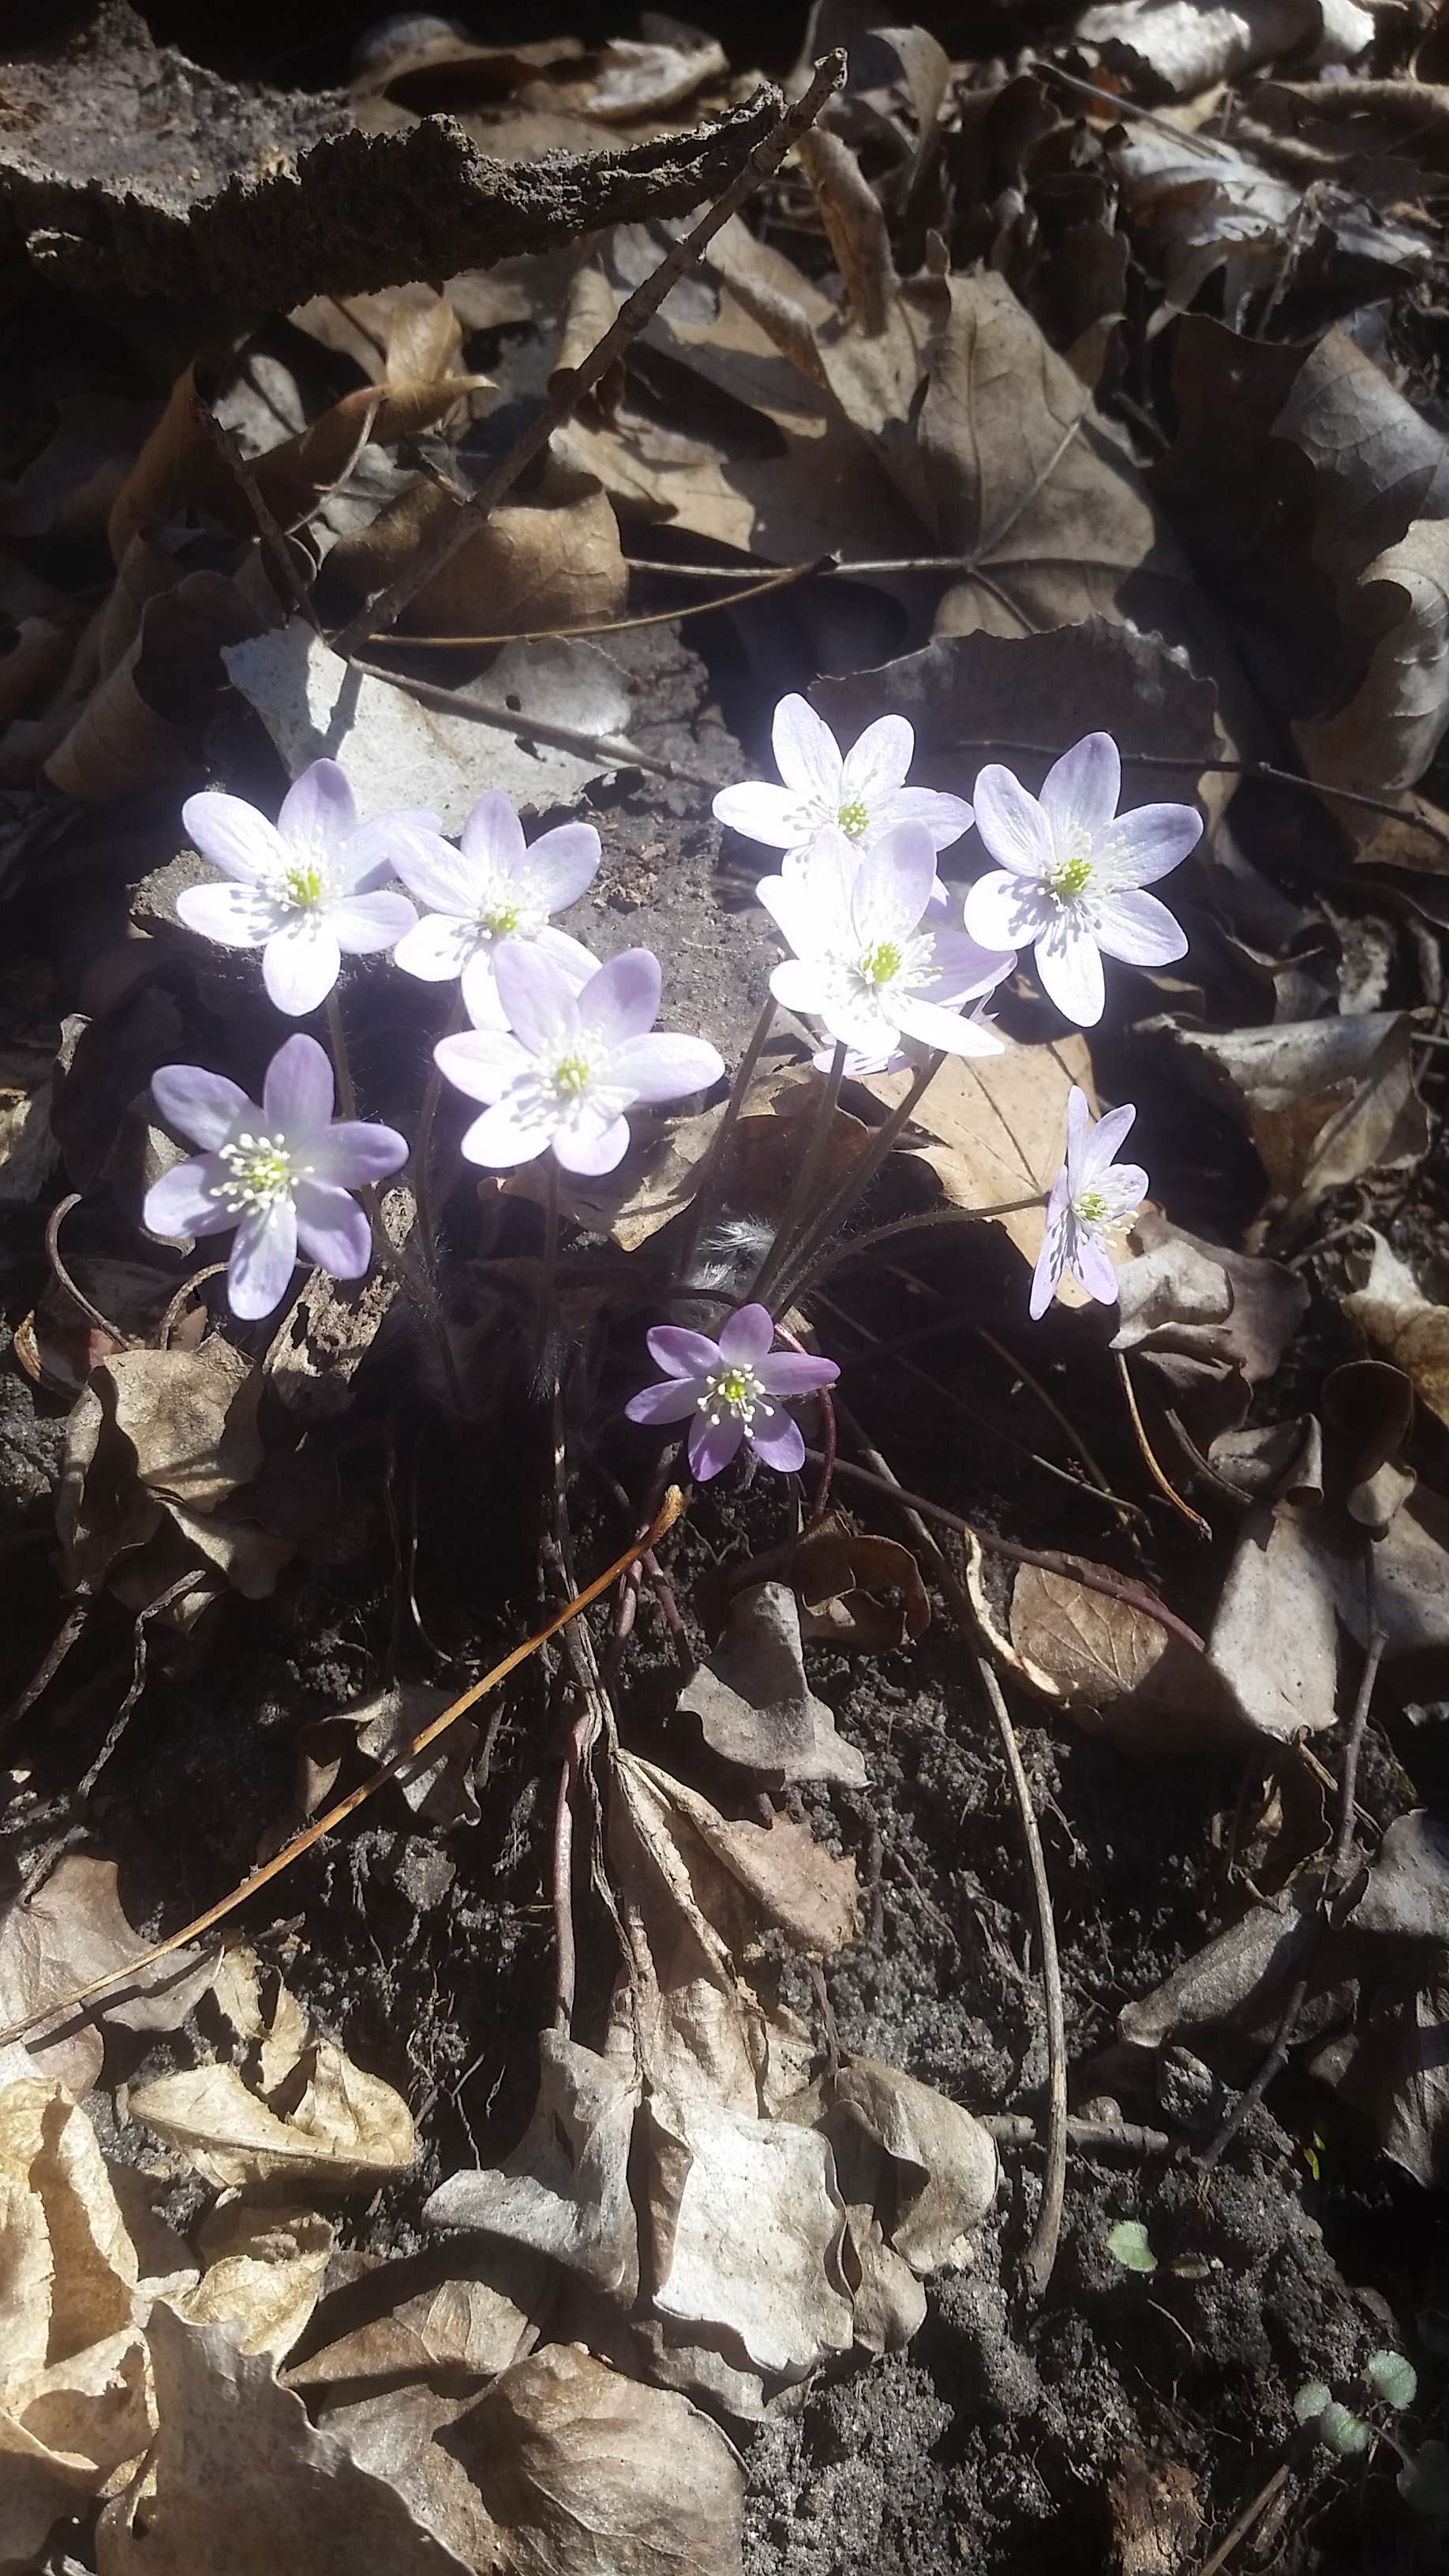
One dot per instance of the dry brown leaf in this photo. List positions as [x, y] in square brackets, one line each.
[551, 561]
[590, 2474]
[1188, 48]
[753, 1704]
[464, 2329]
[1086, 1647]
[998, 1123]
[1411, 1329]
[238, 2483]
[72, 1930]
[762, 1874]
[834, 1572]
[1324, 1101]
[137, 727]
[564, 2191]
[747, 2226]
[347, 2131]
[263, 2276]
[1386, 736]
[946, 2170]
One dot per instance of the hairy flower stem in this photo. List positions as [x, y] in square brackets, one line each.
[713, 1163]
[799, 1199]
[420, 1166]
[415, 1288]
[548, 1263]
[814, 1237]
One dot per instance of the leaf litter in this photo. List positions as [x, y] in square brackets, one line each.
[1092, 391]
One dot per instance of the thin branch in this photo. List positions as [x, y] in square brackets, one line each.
[612, 750]
[747, 590]
[1158, 1473]
[570, 385]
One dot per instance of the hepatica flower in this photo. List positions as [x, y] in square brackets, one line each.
[1092, 1199]
[1070, 873]
[280, 1174]
[861, 792]
[731, 1390]
[870, 962]
[569, 1063]
[305, 888]
[495, 887]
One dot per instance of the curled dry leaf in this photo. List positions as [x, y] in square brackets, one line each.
[564, 2191]
[585, 2470]
[750, 1876]
[1387, 734]
[945, 2168]
[347, 2131]
[238, 2483]
[747, 2225]
[1323, 1101]
[553, 560]
[72, 1930]
[263, 2276]
[469, 2329]
[753, 1704]
[835, 1573]
[1186, 49]
[1412, 1330]
[397, 752]
[138, 725]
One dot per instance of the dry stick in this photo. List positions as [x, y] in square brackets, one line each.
[1041, 2252]
[570, 385]
[69, 1631]
[1092, 1578]
[665, 1519]
[92, 1314]
[928, 1223]
[612, 750]
[748, 590]
[798, 1203]
[1277, 2057]
[1149, 1458]
[1251, 2513]
[1084, 2137]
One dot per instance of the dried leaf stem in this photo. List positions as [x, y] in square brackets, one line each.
[446, 538]
[665, 1518]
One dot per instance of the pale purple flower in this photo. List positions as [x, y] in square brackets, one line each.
[861, 792]
[304, 887]
[731, 1390]
[1070, 873]
[280, 1173]
[1092, 1198]
[495, 887]
[570, 1063]
[869, 963]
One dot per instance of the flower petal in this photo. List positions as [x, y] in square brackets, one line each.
[298, 1093]
[945, 817]
[1006, 911]
[492, 837]
[235, 916]
[482, 1063]
[574, 961]
[183, 1201]
[790, 1373]
[363, 923]
[807, 754]
[762, 813]
[233, 835]
[262, 1261]
[355, 1151]
[877, 763]
[437, 948]
[1070, 969]
[1132, 1186]
[779, 1441]
[1136, 927]
[962, 970]
[202, 1106]
[562, 864]
[682, 1353]
[587, 1147]
[300, 965]
[673, 1400]
[332, 1229]
[621, 1001]
[1154, 838]
[378, 849]
[1082, 790]
[1093, 1265]
[665, 1066]
[893, 884]
[511, 1132]
[712, 1445]
[800, 986]
[1051, 1260]
[952, 1032]
[799, 921]
[1011, 823]
[747, 1335]
[440, 877]
[1101, 1145]
[318, 813]
[540, 1005]
[1079, 1137]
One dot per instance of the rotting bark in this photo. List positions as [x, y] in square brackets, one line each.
[199, 201]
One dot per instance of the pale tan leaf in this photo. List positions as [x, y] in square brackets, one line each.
[999, 1126]
[1409, 1328]
[263, 2276]
[349, 2131]
[747, 2225]
[1090, 1646]
[72, 1930]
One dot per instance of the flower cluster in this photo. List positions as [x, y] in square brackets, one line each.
[560, 1047]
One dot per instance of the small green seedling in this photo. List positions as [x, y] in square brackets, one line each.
[1128, 2243]
[1389, 2379]
[1392, 2378]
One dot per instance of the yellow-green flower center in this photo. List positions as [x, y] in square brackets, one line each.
[880, 963]
[501, 918]
[853, 819]
[258, 1172]
[303, 884]
[736, 1390]
[1090, 1207]
[1074, 866]
[572, 1076]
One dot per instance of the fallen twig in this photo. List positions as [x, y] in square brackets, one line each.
[614, 750]
[570, 385]
[1084, 2137]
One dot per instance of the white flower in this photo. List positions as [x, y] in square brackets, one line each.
[862, 793]
[1092, 1198]
[303, 884]
[1070, 872]
[495, 887]
[867, 964]
[280, 1174]
[570, 1063]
